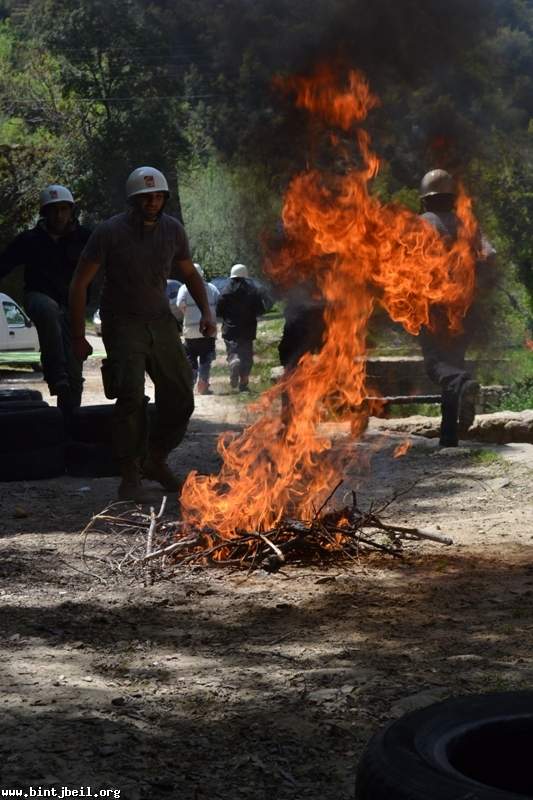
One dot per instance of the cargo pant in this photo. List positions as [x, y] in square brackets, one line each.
[53, 327]
[444, 360]
[243, 349]
[135, 348]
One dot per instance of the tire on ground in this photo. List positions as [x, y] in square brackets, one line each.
[30, 430]
[90, 460]
[477, 747]
[22, 405]
[19, 395]
[94, 424]
[28, 465]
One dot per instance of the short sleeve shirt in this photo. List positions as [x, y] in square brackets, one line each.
[137, 262]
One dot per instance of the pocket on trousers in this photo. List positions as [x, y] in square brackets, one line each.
[111, 378]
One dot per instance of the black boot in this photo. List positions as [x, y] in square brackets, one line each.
[155, 468]
[130, 487]
[449, 436]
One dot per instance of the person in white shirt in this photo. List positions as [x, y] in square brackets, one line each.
[200, 349]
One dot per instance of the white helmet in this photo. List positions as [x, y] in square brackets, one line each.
[239, 271]
[144, 180]
[437, 181]
[55, 193]
[199, 270]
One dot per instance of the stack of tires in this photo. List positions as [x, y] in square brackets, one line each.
[88, 449]
[32, 437]
[35, 442]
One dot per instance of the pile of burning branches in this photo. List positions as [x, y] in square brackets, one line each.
[154, 546]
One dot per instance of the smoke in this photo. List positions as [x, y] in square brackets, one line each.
[401, 41]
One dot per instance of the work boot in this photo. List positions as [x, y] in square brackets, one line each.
[155, 468]
[203, 387]
[448, 426]
[244, 387]
[234, 368]
[130, 487]
[468, 395]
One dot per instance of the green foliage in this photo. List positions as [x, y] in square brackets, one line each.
[519, 397]
[226, 209]
[483, 457]
[90, 90]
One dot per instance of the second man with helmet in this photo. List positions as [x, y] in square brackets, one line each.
[49, 253]
[138, 250]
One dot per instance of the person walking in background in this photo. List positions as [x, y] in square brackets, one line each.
[49, 253]
[138, 250]
[239, 305]
[200, 349]
[444, 354]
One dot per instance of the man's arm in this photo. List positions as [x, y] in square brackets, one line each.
[195, 285]
[82, 278]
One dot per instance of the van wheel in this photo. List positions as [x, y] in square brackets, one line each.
[476, 747]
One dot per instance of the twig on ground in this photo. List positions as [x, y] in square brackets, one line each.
[159, 547]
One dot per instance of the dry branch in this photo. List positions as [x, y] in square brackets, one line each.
[147, 546]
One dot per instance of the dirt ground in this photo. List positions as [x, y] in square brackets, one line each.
[220, 685]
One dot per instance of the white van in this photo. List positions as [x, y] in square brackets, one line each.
[17, 331]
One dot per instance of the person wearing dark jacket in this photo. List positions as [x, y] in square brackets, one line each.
[239, 305]
[49, 253]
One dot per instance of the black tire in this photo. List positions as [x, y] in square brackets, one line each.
[30, 465]
[476, 747]
[90, 460]
[94, 424]
[22, 405]
[31, 430]
[19, 395]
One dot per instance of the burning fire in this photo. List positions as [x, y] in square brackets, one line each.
[402, 449]
[358, 252]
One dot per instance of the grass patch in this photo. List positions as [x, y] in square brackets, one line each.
[422, 409]
[485, 457]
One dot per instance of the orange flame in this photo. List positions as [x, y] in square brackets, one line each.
[358, 252]
[402, 449]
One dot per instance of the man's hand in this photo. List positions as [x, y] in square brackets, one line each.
[81, 348]
[207, 326]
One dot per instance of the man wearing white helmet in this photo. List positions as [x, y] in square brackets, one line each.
[239, 305]
[444, 354]
[138, 251]
[200, 349]
[49, 253]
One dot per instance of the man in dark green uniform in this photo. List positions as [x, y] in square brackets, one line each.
[138, 250]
